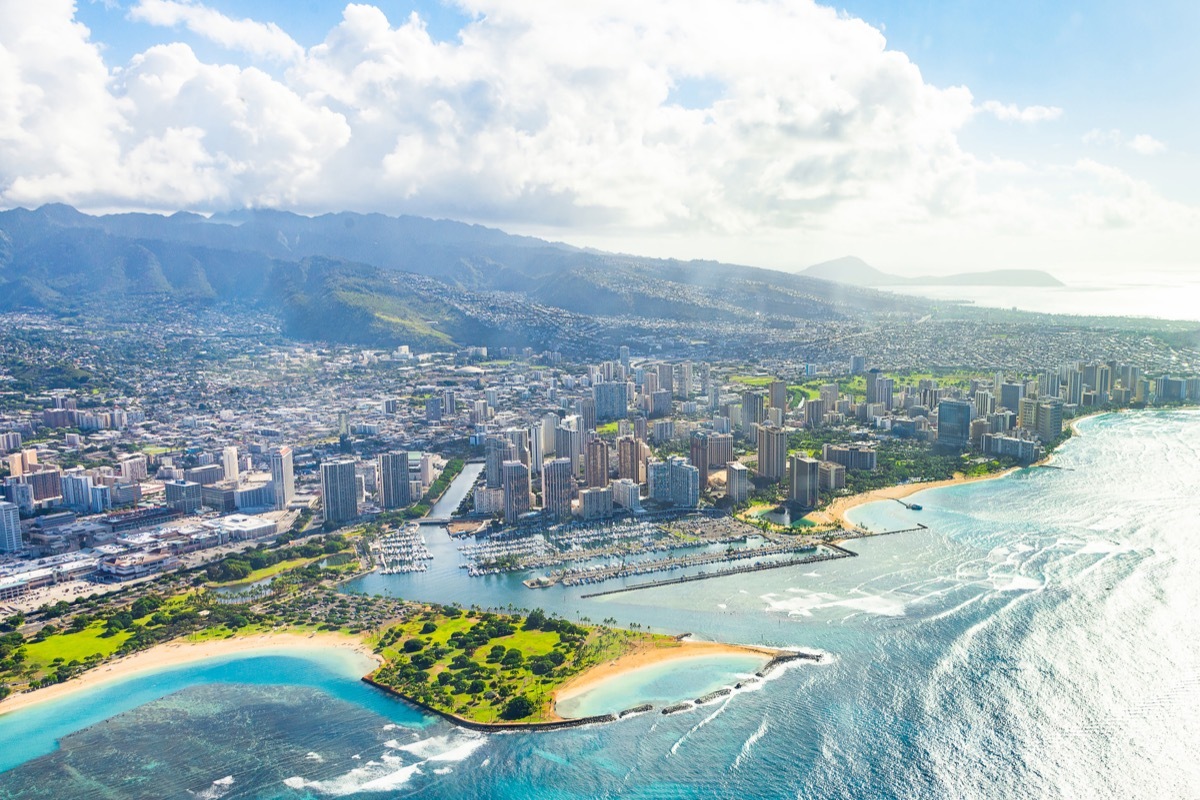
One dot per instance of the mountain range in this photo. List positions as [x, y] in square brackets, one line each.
[379, 280]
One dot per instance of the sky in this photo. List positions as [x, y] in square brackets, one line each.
[925, 137]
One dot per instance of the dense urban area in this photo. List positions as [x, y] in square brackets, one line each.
[199, 470]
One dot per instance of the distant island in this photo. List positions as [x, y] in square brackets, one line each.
[854, 271]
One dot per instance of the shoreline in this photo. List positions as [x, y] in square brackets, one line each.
[179, 653]
[835, 513]
[643, 657]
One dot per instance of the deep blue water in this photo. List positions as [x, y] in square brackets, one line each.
[1038, 641]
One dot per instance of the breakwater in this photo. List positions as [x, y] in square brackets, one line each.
[493, 727]
[837, 552]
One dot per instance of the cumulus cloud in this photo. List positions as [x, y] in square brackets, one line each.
[808, 127]
[264, 40]
[1146, 144]
[1011, 112]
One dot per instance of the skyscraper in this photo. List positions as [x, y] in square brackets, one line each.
[596, 465]
[394, 481]
[699, 456]
[229, 460]
[631, 459]
[283, 478]
[954, 423]
[516, 490]
[753, 411]
[558, 484]
[805, 484]
[339, 490]
[10, 528]
[772, 452]
[778, 394]
[737, 483]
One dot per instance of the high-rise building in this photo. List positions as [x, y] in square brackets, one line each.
[631, 459]
[596, 465]
[283, 476]
[720, 450]
[433, 408]
[229, 461]
[684, 482]
[985, 403]
[585, 407]
[339, 490]
[805, 485]
[873, 376]
[684, 389]
[535, 449]
[596, 503]
[627, 494]
[558, 485]
[852, 456]
[1027, 413]
[666, 378]
[777, 392]
[497, 450]
[77, 492]
[394, 483]
[1049, 420]
[737, 482]
[699, 456]
[515, 482]
[754, 411]
[772, 453]
[858, 365]
[183, 496]
[612, 401]
[10, 528]
[832, 476]
[133, 468]
[954, 423]
[1011, 394]
[814, 413]
[568, 440]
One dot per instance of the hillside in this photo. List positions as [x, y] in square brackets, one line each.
[378, 280]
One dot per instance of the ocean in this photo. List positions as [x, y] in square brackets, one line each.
[1162, 295]
[1037, 641]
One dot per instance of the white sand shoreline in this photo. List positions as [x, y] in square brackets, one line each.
[179, 653]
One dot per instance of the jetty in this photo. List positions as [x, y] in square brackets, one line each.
[837, 552]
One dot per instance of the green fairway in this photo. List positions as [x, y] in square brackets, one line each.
[74, 646]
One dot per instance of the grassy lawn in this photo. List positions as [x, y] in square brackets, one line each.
[752, 380]
[74, 646]
[607, 429]
[270, 572]
[478, 681]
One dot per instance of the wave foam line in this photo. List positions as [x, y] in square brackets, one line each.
[749, 744]
[699, 725]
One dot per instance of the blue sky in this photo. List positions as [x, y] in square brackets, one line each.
[778, 132]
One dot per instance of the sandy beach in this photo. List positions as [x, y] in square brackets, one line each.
[179, 652]
[835, 514]
[648, 655]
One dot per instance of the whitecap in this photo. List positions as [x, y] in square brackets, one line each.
[313, 757]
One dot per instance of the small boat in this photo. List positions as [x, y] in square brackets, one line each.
[914, 507]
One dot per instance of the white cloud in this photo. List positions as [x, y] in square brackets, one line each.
[264, 40]
[811, 134]
[1146, 145]
[1143, 143]
[1010, 112]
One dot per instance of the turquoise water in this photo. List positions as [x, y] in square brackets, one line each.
[1037, 641]
[662, 684]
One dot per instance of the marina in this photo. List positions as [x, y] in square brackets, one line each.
[400, 551]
